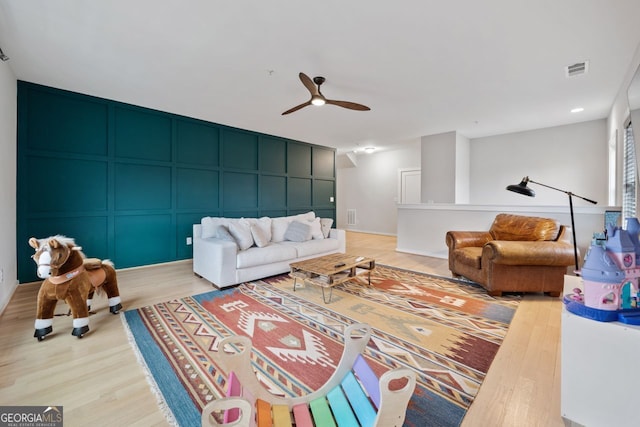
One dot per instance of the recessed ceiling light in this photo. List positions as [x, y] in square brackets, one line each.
[577, 110]
[369, 150]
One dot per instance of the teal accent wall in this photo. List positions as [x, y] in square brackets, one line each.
[129, 182]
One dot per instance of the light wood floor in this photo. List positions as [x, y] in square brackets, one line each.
[98, 381]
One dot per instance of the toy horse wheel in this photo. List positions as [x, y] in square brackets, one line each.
[80, 331]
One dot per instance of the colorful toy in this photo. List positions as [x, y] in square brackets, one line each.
[610, 277]
[71, 277]
[576, 295]
[353, 396]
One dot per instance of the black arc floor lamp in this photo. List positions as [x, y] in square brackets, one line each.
[523, 189]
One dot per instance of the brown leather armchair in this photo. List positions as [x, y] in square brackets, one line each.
[517, 254]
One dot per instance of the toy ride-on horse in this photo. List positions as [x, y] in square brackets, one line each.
[71, 277]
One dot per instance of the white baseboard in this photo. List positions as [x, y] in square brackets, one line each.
[370, 232]
[438, 254]
[138, 267]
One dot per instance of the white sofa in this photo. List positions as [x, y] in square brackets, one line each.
[230, 251]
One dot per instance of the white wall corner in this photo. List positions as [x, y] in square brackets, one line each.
[347, 160]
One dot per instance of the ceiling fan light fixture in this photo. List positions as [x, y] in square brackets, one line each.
[317, 98]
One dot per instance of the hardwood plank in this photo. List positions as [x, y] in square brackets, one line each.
[98, 377]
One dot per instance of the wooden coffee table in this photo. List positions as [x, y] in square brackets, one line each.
[331, 270]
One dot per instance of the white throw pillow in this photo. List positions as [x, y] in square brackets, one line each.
[259, 235]
[241, 232]
[326, 224]
[279, 227]
[316, 229]
[208, 227]
[304, 217]
[222, 233]
[298, 232]
[264, 224]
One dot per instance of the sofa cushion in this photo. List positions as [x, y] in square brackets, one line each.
[325, 224]
[222, 233]
[470, 256]
[278, 228]
[264, 224]
[316, 229]
[524, 228]
[241, 232]
[272, 253]
[279, 225]
[313, 247]
[298, 232]
[259, 236]
[210, 225]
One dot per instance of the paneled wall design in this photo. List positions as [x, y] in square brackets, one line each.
[128, 182]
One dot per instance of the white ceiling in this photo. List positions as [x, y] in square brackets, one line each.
[423, 66]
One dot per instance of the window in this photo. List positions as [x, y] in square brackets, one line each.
[629, 175]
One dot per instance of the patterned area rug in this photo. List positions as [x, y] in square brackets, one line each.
[447, 331]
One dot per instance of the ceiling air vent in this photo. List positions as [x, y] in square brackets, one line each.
[577, 69]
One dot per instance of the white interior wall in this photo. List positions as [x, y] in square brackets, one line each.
[371, 187]
[463, 167]
[570, 157]
[438, 181]
[8, 120]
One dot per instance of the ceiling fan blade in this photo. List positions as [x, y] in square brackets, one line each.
[308, 83]
[349, 105]
[297, 107]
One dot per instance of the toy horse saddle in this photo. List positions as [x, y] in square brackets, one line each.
[97, 275]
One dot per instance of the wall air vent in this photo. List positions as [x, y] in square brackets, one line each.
[351, 217]
[577, 69]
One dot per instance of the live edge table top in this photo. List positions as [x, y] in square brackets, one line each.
[330, 270]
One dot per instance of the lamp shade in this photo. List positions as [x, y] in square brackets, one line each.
[522, 188]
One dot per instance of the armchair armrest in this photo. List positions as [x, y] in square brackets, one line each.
[464, 239]
[508, 252]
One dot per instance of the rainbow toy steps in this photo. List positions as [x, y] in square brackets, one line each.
[610, 278]
[352, 396]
